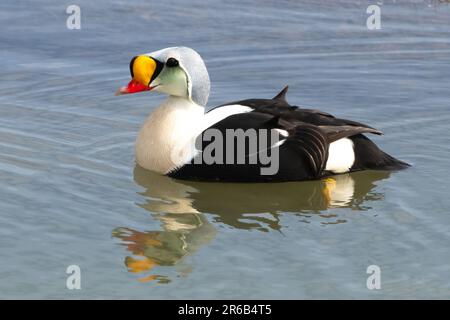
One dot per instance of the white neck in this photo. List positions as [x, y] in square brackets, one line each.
[175, 122]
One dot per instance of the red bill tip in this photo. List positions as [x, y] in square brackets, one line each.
[133, 87]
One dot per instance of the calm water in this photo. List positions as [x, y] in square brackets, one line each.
[70, 192]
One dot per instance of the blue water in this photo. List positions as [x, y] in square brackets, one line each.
[70, 192]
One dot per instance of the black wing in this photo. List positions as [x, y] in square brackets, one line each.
[278, 106]
[302, 155]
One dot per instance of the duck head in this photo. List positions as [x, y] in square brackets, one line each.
[175, 71]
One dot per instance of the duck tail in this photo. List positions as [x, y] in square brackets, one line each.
[369, 156]
[388, 162]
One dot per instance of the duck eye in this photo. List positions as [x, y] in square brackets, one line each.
[172, 62]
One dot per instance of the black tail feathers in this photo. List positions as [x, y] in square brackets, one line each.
[388, 162]
[369, 156]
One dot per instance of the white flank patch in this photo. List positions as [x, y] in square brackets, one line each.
[341, 156]
[184, 150]
[218, 114]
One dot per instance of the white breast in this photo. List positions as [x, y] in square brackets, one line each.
[341, 156]
[166, 127]
[167, 138]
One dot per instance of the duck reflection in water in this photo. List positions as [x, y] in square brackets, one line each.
[183, 208]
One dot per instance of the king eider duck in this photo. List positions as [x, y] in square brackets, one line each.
[254, 140]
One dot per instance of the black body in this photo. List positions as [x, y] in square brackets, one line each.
[303, 155]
